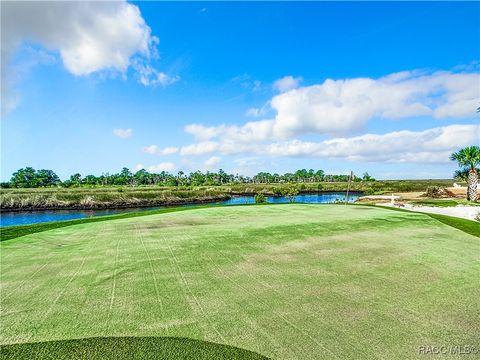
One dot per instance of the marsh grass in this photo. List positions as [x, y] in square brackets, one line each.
[126, 196]
[91, 198]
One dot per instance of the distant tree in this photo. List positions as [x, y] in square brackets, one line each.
[29, 178]
[468, 158]
[91, 180]
[24, 178]
[125, 177]
[46, 178]
[367, 177]
[76, 179]
[319, 175]
[142, 177]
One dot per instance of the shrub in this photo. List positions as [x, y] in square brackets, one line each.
[260, 199]
[291, 193]
[277, 191]
[368, 191]
[434, 192]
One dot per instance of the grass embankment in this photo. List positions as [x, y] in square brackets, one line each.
[286, 281]
[143, 196]
[468, 226]
[443, 203]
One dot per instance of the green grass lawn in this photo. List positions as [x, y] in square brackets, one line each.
[444, 203]
[291, 281]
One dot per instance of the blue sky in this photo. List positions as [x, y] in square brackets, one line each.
[388, 88]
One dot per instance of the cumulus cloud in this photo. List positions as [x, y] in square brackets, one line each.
[252, 165]
[339, 107]
[88, 36]
[155, 150]
[287, 83]
[212, 163]
[432, 145]
[123, 133]
[428, 146]
[78, 31]
[198, 163]
[164, 166]
[251, 131]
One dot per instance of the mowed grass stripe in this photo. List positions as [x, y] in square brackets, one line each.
[285, 281]
[255, 329]
[255, 281]
[289, 303]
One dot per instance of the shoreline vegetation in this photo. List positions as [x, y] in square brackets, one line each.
[126, 196]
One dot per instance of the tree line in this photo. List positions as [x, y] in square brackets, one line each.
[30, 178]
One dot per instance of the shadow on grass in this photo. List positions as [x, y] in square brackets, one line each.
[126, 348]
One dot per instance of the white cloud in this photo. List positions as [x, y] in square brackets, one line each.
[164, 166]
[155, 150]
[251, 131]
[287, 83]
[138, 167]
[432, 145]
[149, 76]
[254, 112]
[212, 163]
[88, 36]
[250, 166]
[428, 146]
[202, 164]
[27, 58]
[257, 112]
[123, 133]
[338, 107]
[204, 147]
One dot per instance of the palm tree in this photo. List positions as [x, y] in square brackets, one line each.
[468, 158]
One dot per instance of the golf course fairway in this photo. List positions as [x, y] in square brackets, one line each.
[291, 281]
